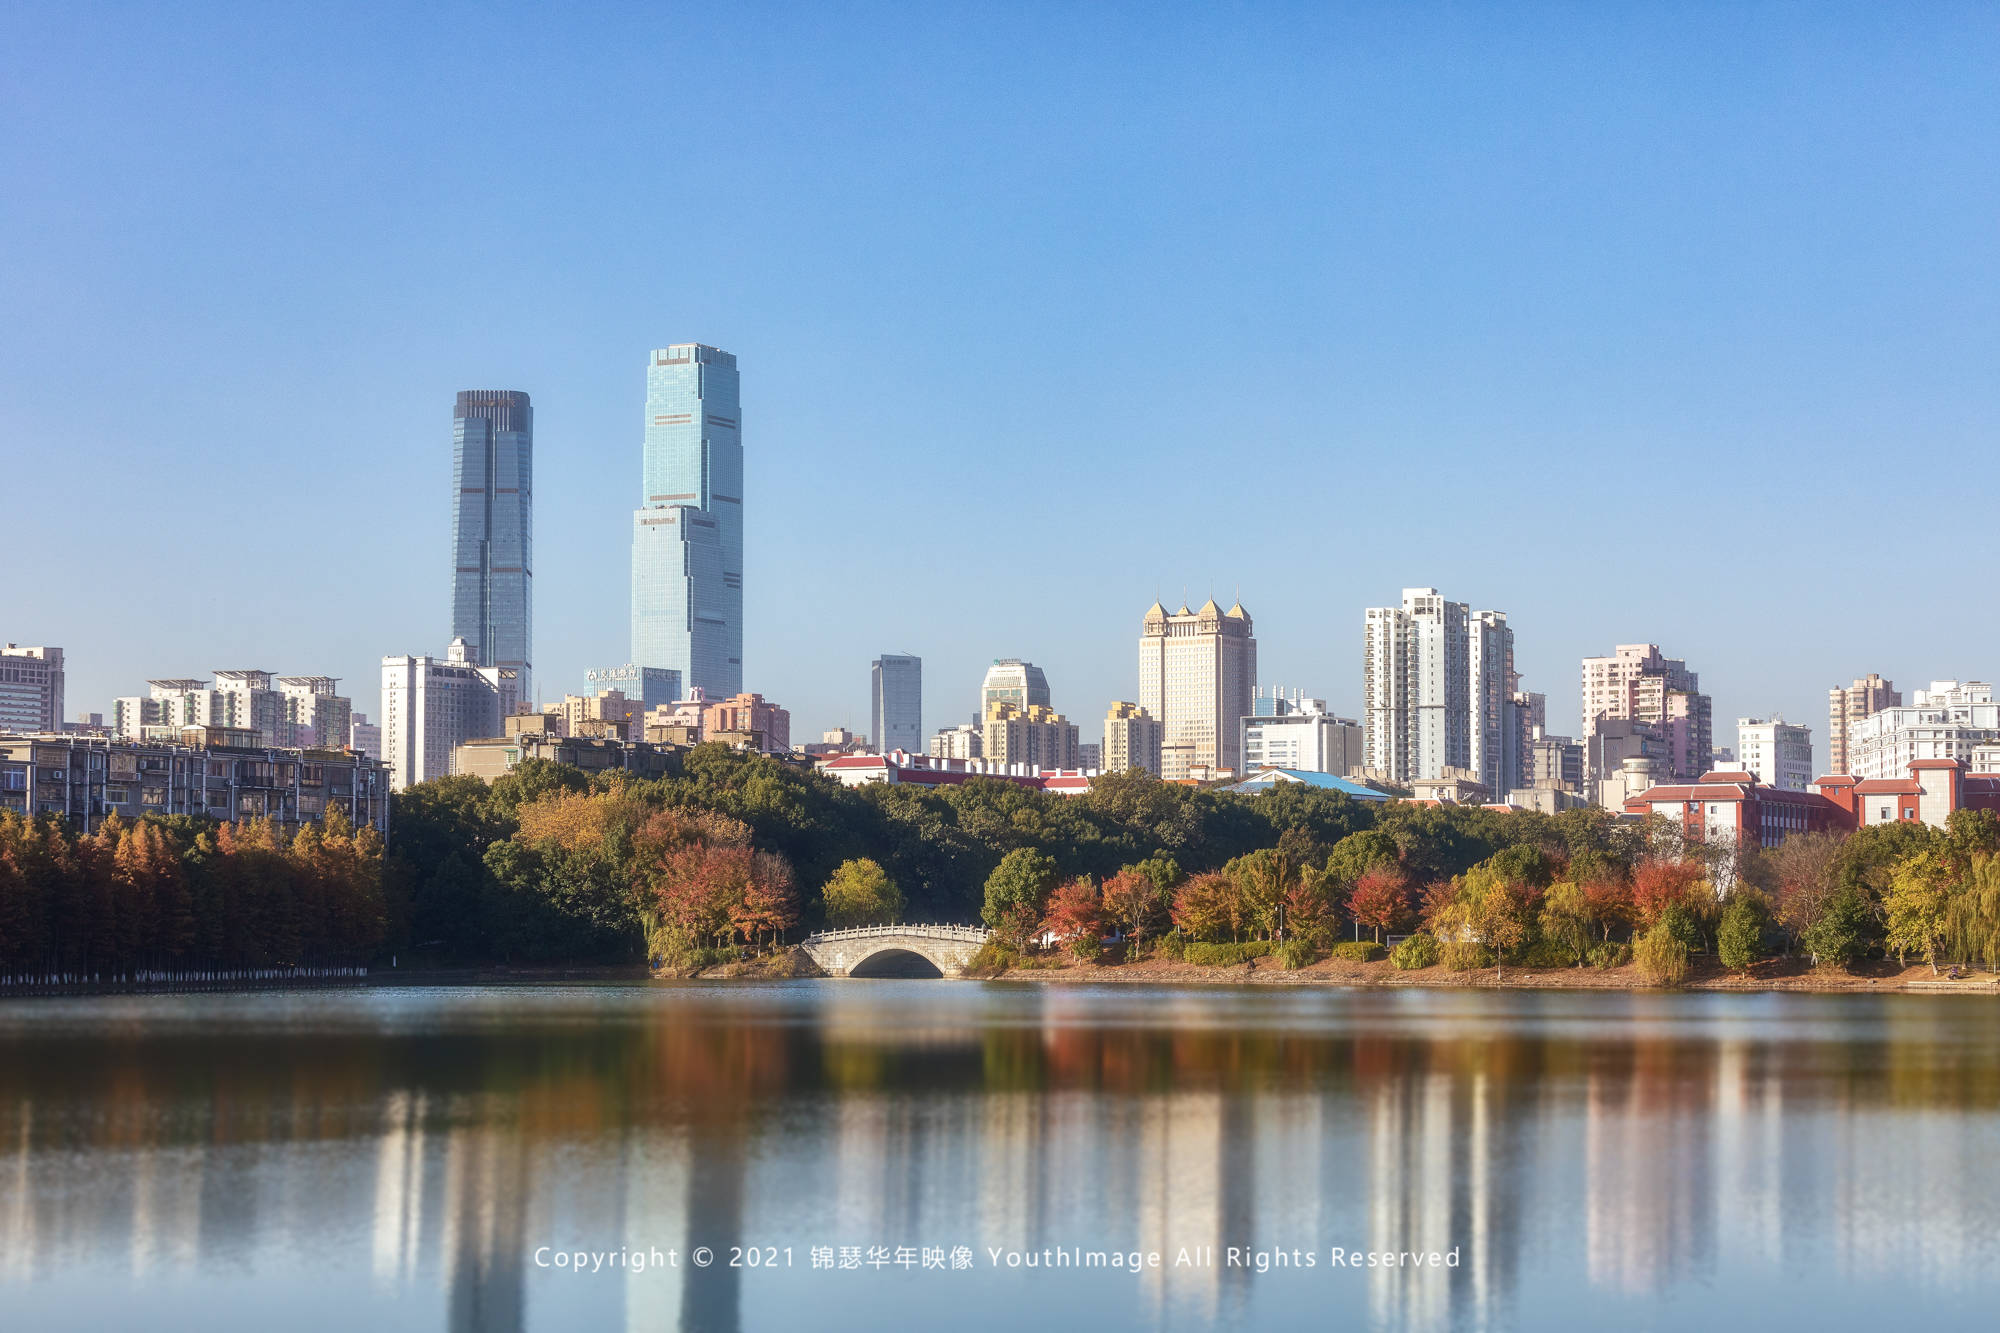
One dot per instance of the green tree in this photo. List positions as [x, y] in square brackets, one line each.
[1739, 939]
[1566, 919]
[1662, 956]
[1843, 931]
[861, 893]
[1019, 885]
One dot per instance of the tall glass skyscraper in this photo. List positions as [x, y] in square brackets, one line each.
[492, 529]
[896, 703]
[687, 539]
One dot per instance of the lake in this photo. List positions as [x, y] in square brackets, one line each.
[869, 1154]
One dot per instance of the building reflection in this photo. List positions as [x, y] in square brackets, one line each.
[1630, 1158]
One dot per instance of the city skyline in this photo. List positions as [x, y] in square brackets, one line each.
[1384, 302]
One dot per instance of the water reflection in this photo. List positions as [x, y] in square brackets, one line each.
[1588, 1157]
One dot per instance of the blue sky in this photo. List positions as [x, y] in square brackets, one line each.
[1671, 324]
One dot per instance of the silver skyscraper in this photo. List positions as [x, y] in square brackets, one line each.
[492, 529]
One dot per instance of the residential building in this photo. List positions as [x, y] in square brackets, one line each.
[750, 721]
[687, 535]
[1132, 738]
[681, 721]
[496, 756]
[1867, 696]
[1776, 752]
[1947, 721]
[1036, 737]
[364, 737]
[1438, 690]
[1011, 681]
[1197, 674]
[896, 702]
[1265, 779]
[220, 772]
[608, 714]
[431, 706]
[1530, 723]
[1609, 741]
[1295, 732]
[1555, 762]
[492, 530]
[31, 688]
[1454, 786]
[964, 741]
[1638, 684]
[1090, 756]
[284, 711]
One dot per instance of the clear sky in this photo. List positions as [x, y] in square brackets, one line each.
[1668, 323]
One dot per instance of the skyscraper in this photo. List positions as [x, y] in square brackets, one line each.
[1493, 740]
[896, 703]
[1416, 687]
[492, 529]
[1011, 681]
[1197, 673]
[687, 536]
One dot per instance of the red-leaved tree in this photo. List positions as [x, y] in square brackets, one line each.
[1075, 917]
[1381, 899]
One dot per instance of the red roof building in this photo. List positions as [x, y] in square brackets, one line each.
[1729, 804]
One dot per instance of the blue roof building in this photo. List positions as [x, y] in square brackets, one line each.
[1267, 778]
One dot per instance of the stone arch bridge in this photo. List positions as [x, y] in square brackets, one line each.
[895, 951]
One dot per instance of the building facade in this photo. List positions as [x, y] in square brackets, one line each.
[364, 737]
[1438, 690]
[964, 741]
[1845, 708]
[896, 703]
[748, 719]
[496, 756]
[1776, 752]
[1946, 722]
[1493, 738]
[687, 535]
[217, 772]
[1293, 732]
[1011, 681]
[492, 529]
[1197, 675]
[1132, 739]
[31, 688]
[1636, 683]
[431, 706]
[290, 712]
[1035, 737]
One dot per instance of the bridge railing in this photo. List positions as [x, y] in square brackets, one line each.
[969, 934]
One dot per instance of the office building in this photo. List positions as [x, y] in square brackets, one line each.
[1011, 681]
[1949, 721]
[640, 689]
[1197, 674]
[1025, 739]
[31, 688]
[687, 535]
[1776, 752]
[1132, 738]
[1637, 683]
[492, 530]
[1868, 695]
[896, 703]
[1294, 732]
[431, 706]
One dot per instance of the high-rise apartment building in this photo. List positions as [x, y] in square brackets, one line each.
[687, 535]
[431, 706]
[1776, 752]
[1438, 688]
[1197, 673]
[1034, 737]
[964, 741]
[284, 711]
[1868, 695]
[896, 703]
[364, 737]
[748, 720]
[492, 530]
[1132, 739]
[31, 688]
[1636, 683]
[1011, 681]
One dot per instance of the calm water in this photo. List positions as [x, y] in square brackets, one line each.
[414, 1159]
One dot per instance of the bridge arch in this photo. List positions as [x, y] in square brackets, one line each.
[896, 950]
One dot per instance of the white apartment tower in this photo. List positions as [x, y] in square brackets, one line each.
[431, 706]
[1197, 670]
[1437, 690]
[1778, 753]
[1845, 708]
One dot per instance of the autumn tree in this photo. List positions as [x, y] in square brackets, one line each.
[1380, 899]
[861, 893]
[1075, 917]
